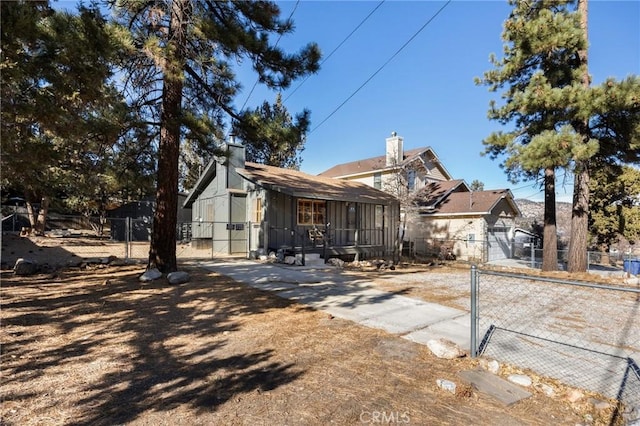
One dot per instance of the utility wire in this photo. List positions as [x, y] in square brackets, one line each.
[337, 47]
[275, 45]
[383, 65]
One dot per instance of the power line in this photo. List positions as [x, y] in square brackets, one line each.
[337, 47]
[275, 45]
[383, 65]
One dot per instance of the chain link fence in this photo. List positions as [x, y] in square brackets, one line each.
[431, 249]
[531, 255]
[582, 334]
[71, 240]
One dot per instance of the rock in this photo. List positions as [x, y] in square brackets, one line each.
[119, 262]
[150, 275]
[548, 390]
[25, 267]
[179, 277]
[491, 366]
[599, 404]
[74, 263]
[520, 379]
[290, 260]
[446, 385]
[443, 348]
[334, 261]
[574, 395]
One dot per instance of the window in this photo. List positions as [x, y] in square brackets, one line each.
[411, 180]
[377, 180]
[257, 214]
[471, 238]
[311, 212]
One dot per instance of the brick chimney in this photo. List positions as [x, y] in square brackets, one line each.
[395, 154]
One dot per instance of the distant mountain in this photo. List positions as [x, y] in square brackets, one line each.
[533, 212]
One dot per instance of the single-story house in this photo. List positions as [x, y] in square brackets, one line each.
[472, 225]
[241, 207]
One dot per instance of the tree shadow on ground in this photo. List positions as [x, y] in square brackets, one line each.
[163, 343]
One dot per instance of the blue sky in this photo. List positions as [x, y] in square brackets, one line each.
[426, 93]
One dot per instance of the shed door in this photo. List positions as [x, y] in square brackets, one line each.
[498, 244]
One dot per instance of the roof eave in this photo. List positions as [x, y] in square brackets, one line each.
[205, 178]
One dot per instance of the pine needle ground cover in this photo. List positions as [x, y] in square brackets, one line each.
[97, 347]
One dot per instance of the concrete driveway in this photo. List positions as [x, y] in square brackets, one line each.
[326, 289]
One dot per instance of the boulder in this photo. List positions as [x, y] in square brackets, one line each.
[179, 277]
[25, 267]
[446, 349]
[150, 275]
[520, 379]
[334, 261]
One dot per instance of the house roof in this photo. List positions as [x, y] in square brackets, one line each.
[434, 192]
[455, 198]
[376, 164]
[303, 185]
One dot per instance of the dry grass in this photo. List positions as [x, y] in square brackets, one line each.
[97, 347]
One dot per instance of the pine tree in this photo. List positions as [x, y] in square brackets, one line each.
[271, 136]
[180, 73]
[58, 109]
[560, 120]
[614, 204]
[542, 75]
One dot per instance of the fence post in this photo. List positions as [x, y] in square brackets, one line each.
[249, 232]
[533, 252]
[474, 311]
[127, 236]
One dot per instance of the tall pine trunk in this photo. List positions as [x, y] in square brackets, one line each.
[550, 234]
[162, 253]
[578, 261]
[38, 223]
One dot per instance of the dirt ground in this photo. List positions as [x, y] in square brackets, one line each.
[95, 346]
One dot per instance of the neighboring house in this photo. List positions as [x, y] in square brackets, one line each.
[472, 225]
[396, 171]
[439, 214]
[141, 214]
[242, 207]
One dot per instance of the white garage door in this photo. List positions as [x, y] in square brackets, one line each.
[499, 245]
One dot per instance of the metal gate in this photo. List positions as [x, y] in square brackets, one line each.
[237, 224]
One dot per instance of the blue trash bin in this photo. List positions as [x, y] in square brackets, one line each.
[631, 266]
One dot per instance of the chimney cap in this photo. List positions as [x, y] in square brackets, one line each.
[394, 134]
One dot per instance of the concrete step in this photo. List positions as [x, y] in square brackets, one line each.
[310, 259]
